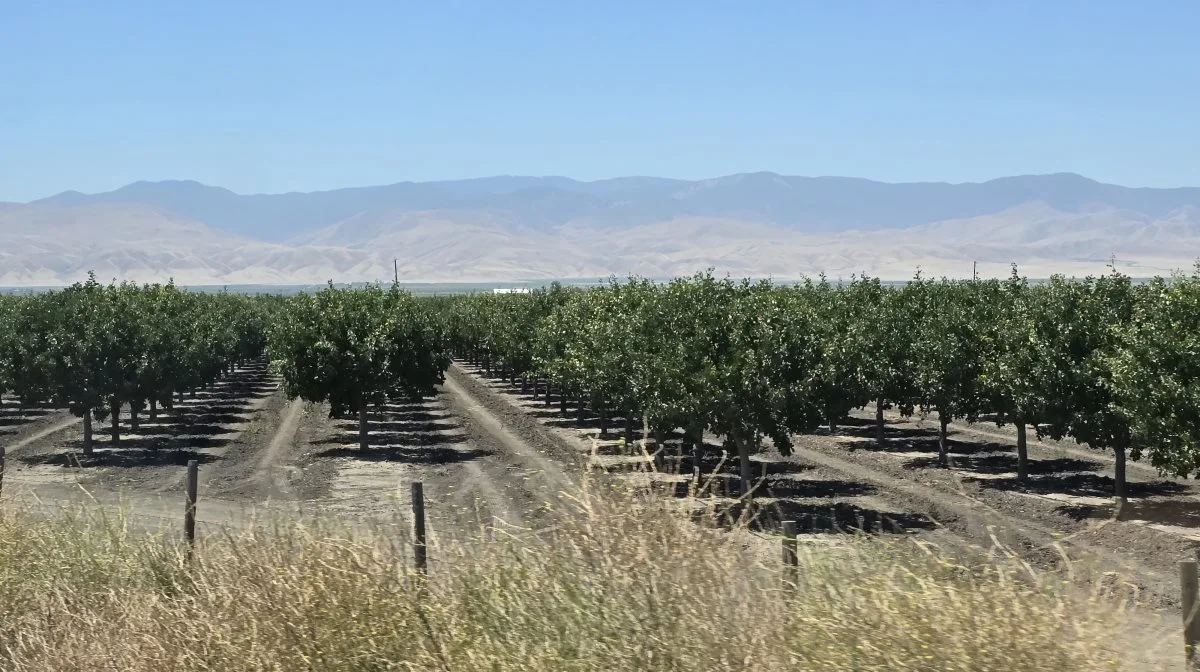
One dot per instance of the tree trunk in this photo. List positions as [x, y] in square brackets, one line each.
[1119, 485]
[115, 409]
[603, 413]
[562, 399]
[547, 397]
[181, 396]
[134, 425]
[943, 449]
[153, 410]
[1022, 452]
[579, 411]
[88, 441]
[660, 450]
[629, 428]
[879, 421]
[832, 426]
[745, 466]
[362, 430]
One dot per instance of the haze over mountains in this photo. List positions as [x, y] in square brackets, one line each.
[529, 228]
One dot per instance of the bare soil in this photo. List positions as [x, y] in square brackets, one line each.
[259, 452]
[838, 484]
[489, 453]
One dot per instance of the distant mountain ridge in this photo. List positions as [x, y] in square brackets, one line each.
[808, 204]
[510, 228]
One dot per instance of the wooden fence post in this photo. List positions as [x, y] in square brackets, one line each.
[1, 469]
[189, 513]
[420, 550]
[791, 559]
[1189, 584]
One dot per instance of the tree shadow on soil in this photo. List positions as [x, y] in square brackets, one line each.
[1004, 463]
[379, 427]
[12, 416]
[191, 422]
[430, 453]
[790, 488]
[169, 442]
[229, 406]
[401, 439]
[409, 415]
[957, 449]
[122, 457]
[418, 437]
[895, 438]
[1083, 485]
[711, 465]
[1174, 512]
[158, 429]
[814, 518]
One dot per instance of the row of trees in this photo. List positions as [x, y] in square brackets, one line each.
[358, 350]
[96, 349]
[1102, 360]
[1105, 361]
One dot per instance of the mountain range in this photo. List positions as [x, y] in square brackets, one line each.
[511, 228]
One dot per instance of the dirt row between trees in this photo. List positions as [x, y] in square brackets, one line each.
[838, 482]
[487, 452]
[841, 482]
[1069, 490]
[261, 454]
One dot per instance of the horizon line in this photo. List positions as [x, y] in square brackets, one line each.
[189, 181]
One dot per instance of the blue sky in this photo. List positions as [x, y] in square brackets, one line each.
[272, 96]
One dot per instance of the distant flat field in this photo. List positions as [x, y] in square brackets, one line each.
[417, 288]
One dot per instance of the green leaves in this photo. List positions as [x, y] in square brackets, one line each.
[1154, 373]
[90, 346]
[358, 348]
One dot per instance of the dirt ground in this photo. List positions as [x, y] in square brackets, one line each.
[489, 453]
[260, 453]
[838, 484]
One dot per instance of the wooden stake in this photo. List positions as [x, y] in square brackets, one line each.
[189, 514]
[791, 560]
[1189, 584]
[420, 550]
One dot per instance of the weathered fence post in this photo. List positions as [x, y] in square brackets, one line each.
[1189, 584]
[1, 469]
[189, 513]
[420, 550]
[791, 559]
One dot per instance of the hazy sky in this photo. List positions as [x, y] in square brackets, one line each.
[274, 96]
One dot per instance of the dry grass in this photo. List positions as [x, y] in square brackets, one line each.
[618, 586]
